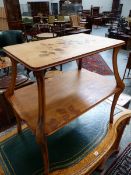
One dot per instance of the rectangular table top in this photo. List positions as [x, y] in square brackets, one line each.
[43, 54]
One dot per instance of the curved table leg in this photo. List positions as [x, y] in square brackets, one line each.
[119, 83]
[10, 91]
[40, 130]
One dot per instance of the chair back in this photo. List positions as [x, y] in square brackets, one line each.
[75, 20]
[60, 18]
[11, 37]
[51, 19]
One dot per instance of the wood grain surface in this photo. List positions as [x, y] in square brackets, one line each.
[47, 53]
[67, 96]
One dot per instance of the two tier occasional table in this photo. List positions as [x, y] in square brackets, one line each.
[50, 104]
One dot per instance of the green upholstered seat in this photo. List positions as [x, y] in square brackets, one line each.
[10, 37]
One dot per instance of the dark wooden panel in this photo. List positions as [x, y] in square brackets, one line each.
[39, 7]
[115, 4]
[13, 13]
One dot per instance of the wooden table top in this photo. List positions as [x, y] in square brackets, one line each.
[43, 54]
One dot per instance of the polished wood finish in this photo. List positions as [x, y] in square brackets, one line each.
[60, 99]
[74, 95]
[13, 14]
[52, 52]
[3, 19]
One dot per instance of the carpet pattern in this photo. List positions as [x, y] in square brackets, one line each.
[122, 165]
[95, 63]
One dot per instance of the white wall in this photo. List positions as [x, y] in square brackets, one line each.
[1, 3]
[126, 7]
[105, 5]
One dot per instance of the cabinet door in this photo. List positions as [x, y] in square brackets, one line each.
[13, 13]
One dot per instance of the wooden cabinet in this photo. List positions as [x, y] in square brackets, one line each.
[13, 14]
[117, 7]
[115, 4]
[52, 103]
[39, 7]
[3, 19]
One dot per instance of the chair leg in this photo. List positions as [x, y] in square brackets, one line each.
[61, 67]
[28, 72]
[128, 73]
[124, 74]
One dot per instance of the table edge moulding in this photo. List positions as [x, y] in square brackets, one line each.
[73, 93]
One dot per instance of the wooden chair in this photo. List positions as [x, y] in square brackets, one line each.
[51, 20]
[128, 66]
[75, 21]
[60, 18]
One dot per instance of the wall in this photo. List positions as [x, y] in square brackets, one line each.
[86, 3]
[1, 3]
[105, 5]
[126, 7]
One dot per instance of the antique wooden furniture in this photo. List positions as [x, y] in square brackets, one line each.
[97, 21]
[39, 7]
[73, 93]
[76, 23]
[3, 19]
[95, 11]
[87, 31]
[13, 14]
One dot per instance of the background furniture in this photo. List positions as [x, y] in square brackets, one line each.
[13, 14]
[120, 30]
[9, 37]
[39, 7]
[3, 19]
[76, 23]
[95, 11]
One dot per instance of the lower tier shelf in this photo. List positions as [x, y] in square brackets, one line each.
[68, 95]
